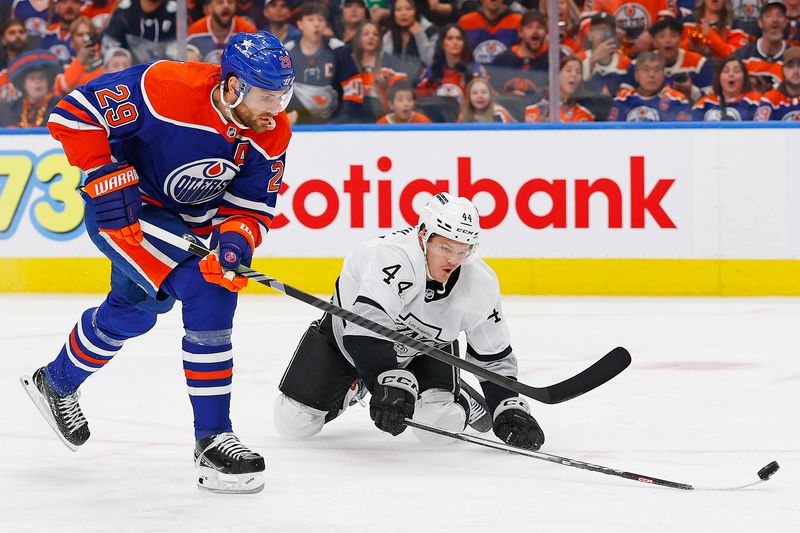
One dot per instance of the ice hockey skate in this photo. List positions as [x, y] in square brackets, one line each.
[225, 465]
[479, 417]
[62, 413]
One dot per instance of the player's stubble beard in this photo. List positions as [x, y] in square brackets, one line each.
[253, 120]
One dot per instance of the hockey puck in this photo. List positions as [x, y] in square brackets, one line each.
[766, 472]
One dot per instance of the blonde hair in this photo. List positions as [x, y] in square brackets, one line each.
[468, 112]
[573, 21]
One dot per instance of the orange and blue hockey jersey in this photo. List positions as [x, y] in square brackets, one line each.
[631, 16]
[760, 63]
[490, 38]
[196, 168]
[777, 105]
[667, 105]
[709, 108]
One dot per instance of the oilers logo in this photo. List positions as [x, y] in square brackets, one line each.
[715, 115]
[486, 51]
[792, 116]
[450, 89]
[199, 181]
[633, 19]
[36, 27]
[643, 113]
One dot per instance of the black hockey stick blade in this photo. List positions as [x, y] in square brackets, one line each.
[601, 371]
[609, 366]
[764, 474]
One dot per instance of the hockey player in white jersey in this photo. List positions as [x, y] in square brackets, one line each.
[426, 282]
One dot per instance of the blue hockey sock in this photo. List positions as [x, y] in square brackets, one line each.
[209, 374]
[86, 351]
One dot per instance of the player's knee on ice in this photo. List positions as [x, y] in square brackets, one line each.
[295, 420]
[438, 407]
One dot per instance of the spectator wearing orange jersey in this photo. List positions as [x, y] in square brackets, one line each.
[633, 18]
[764, 56]
[402, 102]
[570, 79]
[211, 33]
[686, 71]
[570, 33]
[783, 102]
[452, 66]
[491, 30]
[479, 104]
[710, 34]
[732, 98]
[87, 63]
[379, 72]
[99, 12]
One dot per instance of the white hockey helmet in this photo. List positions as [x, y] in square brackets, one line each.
[452, 217]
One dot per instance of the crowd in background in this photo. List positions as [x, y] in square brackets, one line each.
[398, 61]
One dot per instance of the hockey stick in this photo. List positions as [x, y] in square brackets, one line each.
[600, 372]
[764, 474]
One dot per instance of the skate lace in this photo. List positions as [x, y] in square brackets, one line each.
[475, 409]
[70, 412]
[229, 444]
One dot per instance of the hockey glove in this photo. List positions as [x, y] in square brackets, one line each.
[515, 426]
[112, 193]
[393, 400]
[236, 245]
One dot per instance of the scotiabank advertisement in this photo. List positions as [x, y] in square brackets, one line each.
[565, 193]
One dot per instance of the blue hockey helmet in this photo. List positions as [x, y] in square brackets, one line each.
[259, 60]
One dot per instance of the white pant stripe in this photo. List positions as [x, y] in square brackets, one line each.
[92, 348]
[217, 357]
[76, 362]
[209, 391]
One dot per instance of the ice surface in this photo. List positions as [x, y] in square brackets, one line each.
[711, 397]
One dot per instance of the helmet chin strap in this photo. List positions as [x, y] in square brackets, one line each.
[229, 107]
[425, 254]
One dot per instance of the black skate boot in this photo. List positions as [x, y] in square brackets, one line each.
[62, 412]
[226, 465]
[479, 417]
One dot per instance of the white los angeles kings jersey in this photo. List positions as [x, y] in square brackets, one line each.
[384, 280]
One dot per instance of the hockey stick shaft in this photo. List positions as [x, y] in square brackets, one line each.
[764, 474]
[600, 372]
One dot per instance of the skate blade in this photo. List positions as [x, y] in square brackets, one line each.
[41, 404]
[483, 424]
[217, 482]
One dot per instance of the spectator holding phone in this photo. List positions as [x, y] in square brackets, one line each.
[87, 63]
[605, 66]
[686, 71]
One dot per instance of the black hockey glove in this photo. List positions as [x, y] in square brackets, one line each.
[515, 426]
[393, 400]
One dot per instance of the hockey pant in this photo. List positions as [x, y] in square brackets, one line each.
[130, 309]
[319, 381]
